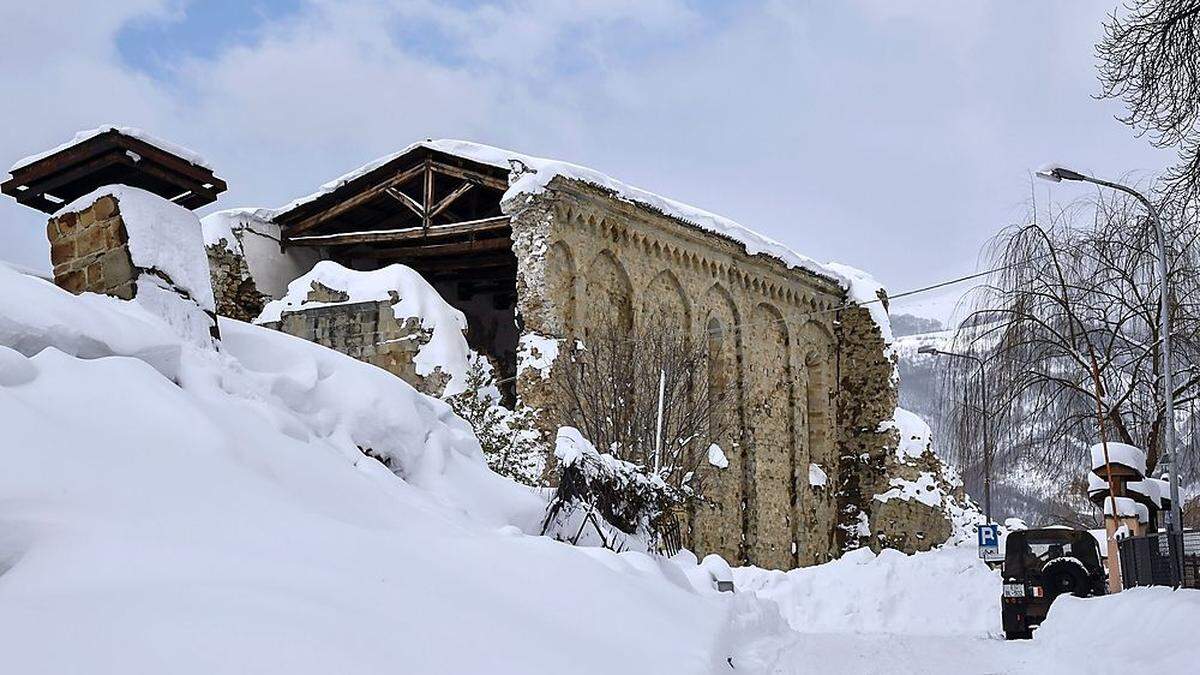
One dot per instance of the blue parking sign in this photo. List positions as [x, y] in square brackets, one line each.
[989, 541]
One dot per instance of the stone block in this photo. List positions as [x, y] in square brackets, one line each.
[62, 251]
[91, 240]
[72, 282]
[94, 276]
[104, 207]
[117, 266]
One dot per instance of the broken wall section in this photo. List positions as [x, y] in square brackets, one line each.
[248, 263]
[391, 318]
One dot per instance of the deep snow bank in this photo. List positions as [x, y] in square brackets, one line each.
[1147, 630]
[942, 592]
[173, 509]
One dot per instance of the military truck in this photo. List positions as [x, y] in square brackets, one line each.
[1039, 566]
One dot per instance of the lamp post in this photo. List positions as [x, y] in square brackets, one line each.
[1056, 174]
[987, 446]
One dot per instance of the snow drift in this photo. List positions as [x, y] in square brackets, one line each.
[947, 591]
[176, 509]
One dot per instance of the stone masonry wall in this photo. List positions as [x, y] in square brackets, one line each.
[89, 250]
[586, 257]
[866, 398]
[234, 289]
[367, 331]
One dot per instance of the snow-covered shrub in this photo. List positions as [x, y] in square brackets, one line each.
[602, 500]
[511, 442]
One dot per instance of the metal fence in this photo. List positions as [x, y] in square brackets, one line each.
[1147, 560]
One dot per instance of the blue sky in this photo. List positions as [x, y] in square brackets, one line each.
[896, 137]
[151, 43]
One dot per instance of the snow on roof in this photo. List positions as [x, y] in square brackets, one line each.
[1119, 453]
[162, 235]
[1127, 508]
[539, 171]
[863, 289]
[447, 348]
[133, 132]
[1148, 488]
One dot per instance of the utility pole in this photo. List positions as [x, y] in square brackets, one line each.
[658, 431]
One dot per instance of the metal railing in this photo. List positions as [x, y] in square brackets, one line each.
[1147, 560]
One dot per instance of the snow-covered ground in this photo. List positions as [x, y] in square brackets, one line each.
[939, 612]
[168, 508]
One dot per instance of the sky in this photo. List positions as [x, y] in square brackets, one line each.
[895, 137]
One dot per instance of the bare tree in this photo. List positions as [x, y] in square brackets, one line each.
[1068, 327]
[646, 397]
[1150, 59]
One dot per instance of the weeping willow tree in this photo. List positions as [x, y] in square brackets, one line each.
[1068, 331]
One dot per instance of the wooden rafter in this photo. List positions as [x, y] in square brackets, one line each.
[457, 248]
[468, 175]
[412, 204]
[449, 199]
[469, 227]
[355, 201]
[427, 197]
[427, 207]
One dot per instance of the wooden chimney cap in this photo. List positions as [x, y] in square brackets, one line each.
[112, 156]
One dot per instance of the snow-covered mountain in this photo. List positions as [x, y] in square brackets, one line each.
[1035, 493]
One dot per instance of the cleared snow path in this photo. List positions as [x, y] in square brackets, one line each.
[846, 654]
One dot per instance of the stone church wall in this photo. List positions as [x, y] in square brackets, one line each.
[586, 258]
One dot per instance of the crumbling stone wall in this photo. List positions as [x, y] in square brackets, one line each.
[585, 256]
[234, 289]
[911, 525]
[867, 398]
[367, 331]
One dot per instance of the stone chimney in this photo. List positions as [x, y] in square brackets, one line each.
[133, 245]
[128, 230]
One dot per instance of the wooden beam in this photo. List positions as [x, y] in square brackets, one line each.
[427, 194]
[449, 199]
[404, 199]
[403, 234]
[468, 175]
[468, 264]
[458, 248]
[357, 200]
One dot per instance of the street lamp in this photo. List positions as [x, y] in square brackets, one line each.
[1057, 174]
[987, 447]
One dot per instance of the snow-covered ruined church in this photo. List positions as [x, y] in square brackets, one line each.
[528, 255]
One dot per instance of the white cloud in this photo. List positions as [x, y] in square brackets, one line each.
[847, 132]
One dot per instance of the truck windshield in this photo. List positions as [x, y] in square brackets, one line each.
[1033, 553]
